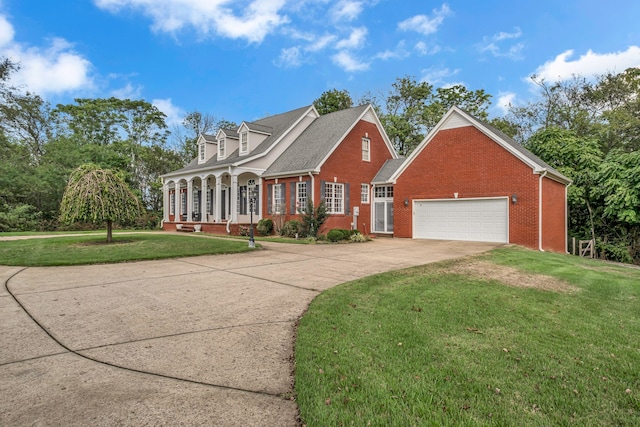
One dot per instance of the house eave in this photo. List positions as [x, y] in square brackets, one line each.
[292, 173]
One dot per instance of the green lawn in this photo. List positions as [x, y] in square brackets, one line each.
[92, 249]
[452, 344]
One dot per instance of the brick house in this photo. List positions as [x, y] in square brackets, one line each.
[289, 158]
[465, 181]
[469, 181]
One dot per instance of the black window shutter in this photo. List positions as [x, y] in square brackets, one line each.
[269, 193]
[322, 191]
[292, 198]
[283, 198]
[347, 200]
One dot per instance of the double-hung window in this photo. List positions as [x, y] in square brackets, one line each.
[301, 197]
[364, 193]
[172, 203]
[222, 148]
[202, 152]
[183, 203]
[278, 198]
[366, 149]
[244, 142]
[334, 197]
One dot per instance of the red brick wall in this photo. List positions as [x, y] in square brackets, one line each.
[465, 161]
[347, 166]
[554, 217]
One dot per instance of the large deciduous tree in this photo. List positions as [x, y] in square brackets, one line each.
[97, 196]
[333, 100]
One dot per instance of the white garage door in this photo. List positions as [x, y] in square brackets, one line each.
[478, 220]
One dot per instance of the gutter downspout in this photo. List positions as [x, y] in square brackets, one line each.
[230, 206]
[540, 211]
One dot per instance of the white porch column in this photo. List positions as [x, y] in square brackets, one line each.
[165, 202]
[233, 209]
[178, 199]
[217, 208]
[204, 194]
[190, 200]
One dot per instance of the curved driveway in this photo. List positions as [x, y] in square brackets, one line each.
[192, 341]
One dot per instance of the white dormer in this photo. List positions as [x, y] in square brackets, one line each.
[227, 140]
[206, 147]
[250, 136]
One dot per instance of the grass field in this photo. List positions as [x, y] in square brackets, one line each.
[513, 337]
[93, 249]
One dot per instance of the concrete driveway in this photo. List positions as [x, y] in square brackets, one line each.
[192, 341]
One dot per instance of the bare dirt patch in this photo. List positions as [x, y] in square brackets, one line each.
[511, 276]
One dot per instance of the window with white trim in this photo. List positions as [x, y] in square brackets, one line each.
[384, 192]
[222, 148]
[244, 142]
[172, 203]
[202, 151]
[301, 196]
[278, 198]
[334, 197]
[183, 203]
[366, 149]
[364, 193]
[196, 202]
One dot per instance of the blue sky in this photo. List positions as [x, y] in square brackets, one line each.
[242, 60]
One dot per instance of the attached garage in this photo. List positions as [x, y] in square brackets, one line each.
[478, 220]
[469, 181]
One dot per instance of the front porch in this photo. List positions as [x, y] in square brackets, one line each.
[223, 228]
[211, 203]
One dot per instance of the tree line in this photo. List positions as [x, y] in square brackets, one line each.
[588, 129]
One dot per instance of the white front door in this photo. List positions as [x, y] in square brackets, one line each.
[383, 209]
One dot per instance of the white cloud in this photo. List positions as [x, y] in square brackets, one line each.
[174, 113]
[495, 45]
[290, 57]
[589, 64]
[6, 31]
[346, 10]
[252, 22]
[356, 39]
[320, 43]
[439, 76]
[505, 100]
[50, 70]
[517, 33]
[424, 24]
[400, 52]
[346, 61]
[423, 49]
[128, 92]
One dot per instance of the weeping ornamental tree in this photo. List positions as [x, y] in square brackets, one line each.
[98, 195]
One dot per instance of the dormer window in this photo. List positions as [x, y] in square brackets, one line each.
[201, 151]
[244, 143]
[222, 152]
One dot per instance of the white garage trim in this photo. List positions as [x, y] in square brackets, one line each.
[483, 219]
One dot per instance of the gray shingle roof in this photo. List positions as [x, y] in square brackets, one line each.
[257, 127]
[231, 133]
[316, 142]
[278, 124]
[209, 138]
[388, 169]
